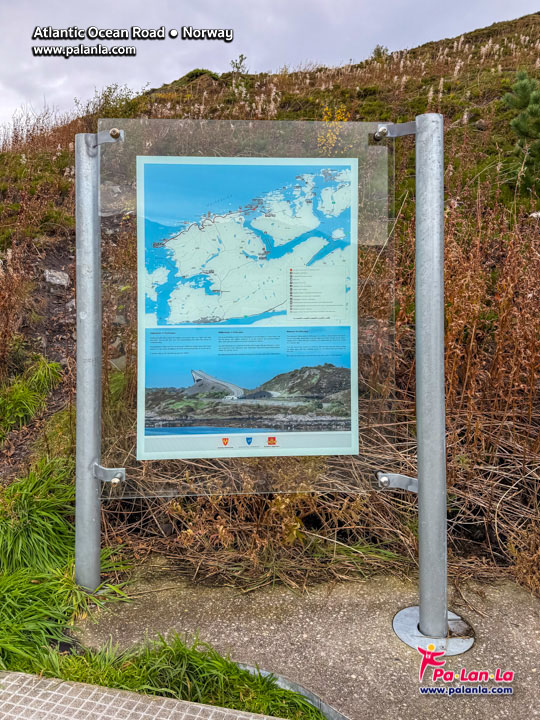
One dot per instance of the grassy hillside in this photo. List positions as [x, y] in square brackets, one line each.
[492, 265]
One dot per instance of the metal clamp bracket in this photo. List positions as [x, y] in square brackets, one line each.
[386, 481]
[94, 140]
[394, 130]
[109, 136]
[111, 475]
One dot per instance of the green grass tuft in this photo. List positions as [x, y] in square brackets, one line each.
[18, 404]
[35, 609]
[38, 594]
[42, 375]
[35, 518]
[171, 668]
[25, 396]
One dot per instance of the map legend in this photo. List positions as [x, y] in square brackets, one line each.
[317, 294]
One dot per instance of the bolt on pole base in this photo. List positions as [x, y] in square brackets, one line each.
[460, 636]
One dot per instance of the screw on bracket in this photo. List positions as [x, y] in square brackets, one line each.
[106, 136]
[394, 130]
[385, 481]
[110, 475]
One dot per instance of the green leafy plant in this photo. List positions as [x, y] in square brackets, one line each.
[525, 99]
[238, 65]
[380, 52]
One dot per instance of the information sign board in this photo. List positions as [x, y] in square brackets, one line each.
[247, 312]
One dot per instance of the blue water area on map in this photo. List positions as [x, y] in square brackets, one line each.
[201, 430]
[176, 195]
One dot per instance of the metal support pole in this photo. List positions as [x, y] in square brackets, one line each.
[430, 418]
[430, 625]
[88, 246]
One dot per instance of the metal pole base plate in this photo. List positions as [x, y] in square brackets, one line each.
[460, 636]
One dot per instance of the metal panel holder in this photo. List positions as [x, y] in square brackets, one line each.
[393, 481]
[428, 625]
[394, 130]
[110, 475]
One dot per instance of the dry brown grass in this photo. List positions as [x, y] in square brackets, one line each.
[492, 262]
[492, 266]
[13, 297]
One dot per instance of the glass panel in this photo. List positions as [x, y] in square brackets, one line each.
[258, 363]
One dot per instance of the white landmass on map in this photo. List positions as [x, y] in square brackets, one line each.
[335, 200]
[224, 238]
[227, 270]
[237, 289]
[284, 220]
[153, 280]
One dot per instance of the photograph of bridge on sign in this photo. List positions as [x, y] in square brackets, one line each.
[307, 398]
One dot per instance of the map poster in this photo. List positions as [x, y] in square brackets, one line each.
[247, 307]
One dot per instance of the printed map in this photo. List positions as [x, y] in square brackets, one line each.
[224, 240]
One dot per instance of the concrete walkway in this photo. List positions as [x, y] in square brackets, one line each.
[28, 697]
[338, 641]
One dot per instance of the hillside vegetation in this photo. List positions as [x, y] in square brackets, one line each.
[492, 265]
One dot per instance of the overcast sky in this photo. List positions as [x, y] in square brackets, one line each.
[271, 33]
